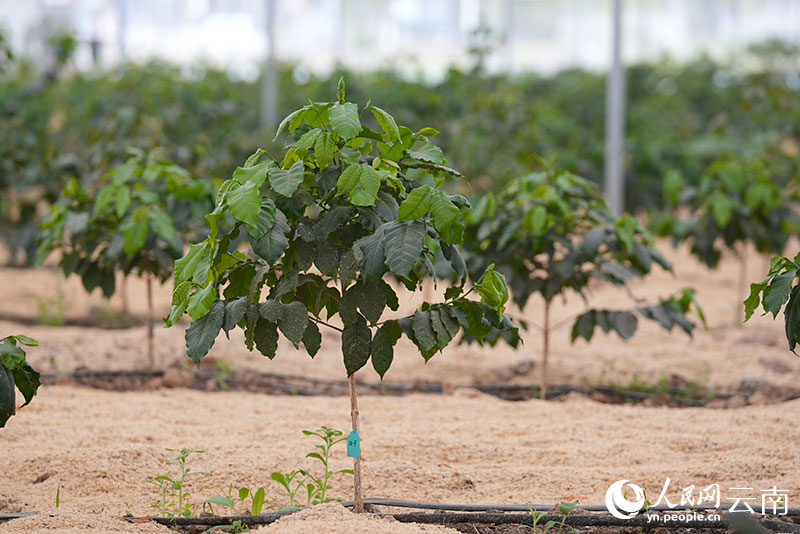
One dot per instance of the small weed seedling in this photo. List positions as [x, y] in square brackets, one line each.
[316, 494]
[316, 487]
[564, 507]
[291, 483]
[228, 501]
[224, 371]
[174, 497]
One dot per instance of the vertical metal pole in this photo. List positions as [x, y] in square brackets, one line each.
[615, 118]
[122, 7]
[269, 90]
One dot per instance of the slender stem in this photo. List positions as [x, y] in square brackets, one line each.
[545, 347]
[323, 323]
[123, 293]
[358, 495]
[150, 332]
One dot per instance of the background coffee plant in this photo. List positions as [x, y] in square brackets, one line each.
[551, 233]
[134, 219]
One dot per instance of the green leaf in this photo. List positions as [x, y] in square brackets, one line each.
[265, 336]
[201, 334]
[258, 502]
[271, 245]
[135, 230]
[8, 403]
[201, 301]
[721, 208]
[792, 318]
[266, 218]
[493, 289]
[427, 152]
[122, 201]
[417, 204]
[286, 181]
[293, 322]
[584, 326]
[25, 340]
[324, 149]
[245, 202]
[424, 335]
[312, 338]
[344, 120]
[186, 266]
[403, 242]
[271, 310]
[256, 174]
[624, 323]
[356, 346]
[11, 356]
[220, 500]
[382, 351]
[387, 123]
[778, 291]
[234, 312]
[163, 225]
[444, 212]
[27, 380]
[360, 183]
[754, 299]
[369, 252]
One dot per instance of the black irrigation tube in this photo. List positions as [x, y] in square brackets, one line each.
[513, 391]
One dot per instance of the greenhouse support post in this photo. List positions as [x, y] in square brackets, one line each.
[615, 118]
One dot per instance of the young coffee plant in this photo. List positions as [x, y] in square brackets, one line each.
[779, 288]
[550, 233]
[134, 219]
[737, 202]
[16, 373]
[346, 207]
[174, 499]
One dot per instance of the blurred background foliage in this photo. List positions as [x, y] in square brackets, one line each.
[62, 123]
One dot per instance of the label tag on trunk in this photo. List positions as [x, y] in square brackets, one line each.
[353, 445]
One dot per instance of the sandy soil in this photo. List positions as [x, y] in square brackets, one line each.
[721, 357]
[332, 518]
[99, 447]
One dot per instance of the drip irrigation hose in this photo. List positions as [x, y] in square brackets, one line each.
[507, 391]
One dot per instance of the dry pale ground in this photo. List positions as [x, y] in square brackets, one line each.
[98, 447]
[721, 357]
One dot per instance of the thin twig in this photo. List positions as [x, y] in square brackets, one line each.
[323, 323]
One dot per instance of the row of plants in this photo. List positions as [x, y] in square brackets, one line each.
[64, 124]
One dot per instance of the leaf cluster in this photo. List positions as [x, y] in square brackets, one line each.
[135, 218]
[355, 199]
[738, 200]
[16, 372]
[551, 233]
[779, 288]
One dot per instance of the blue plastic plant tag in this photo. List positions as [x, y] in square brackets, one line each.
[353, 445]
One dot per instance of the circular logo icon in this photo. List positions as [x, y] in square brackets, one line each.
[618, 505]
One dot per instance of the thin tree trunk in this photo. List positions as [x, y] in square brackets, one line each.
[150, 354]
[123, 293]
[358, 496]
[545, 347]
[742, 283]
